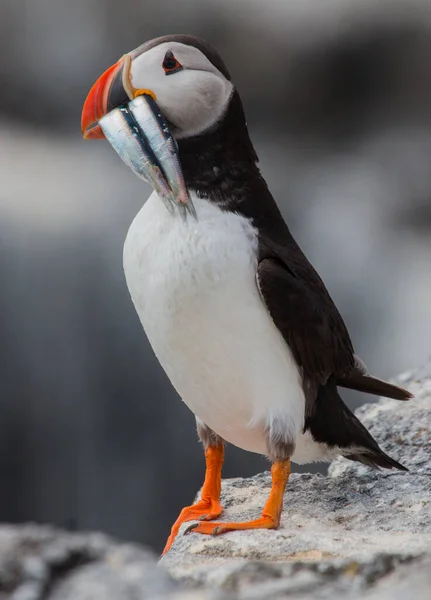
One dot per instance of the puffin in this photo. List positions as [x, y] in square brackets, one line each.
[238, 318]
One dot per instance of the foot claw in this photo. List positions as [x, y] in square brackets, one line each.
[190, 528]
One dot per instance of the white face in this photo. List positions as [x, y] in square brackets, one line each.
[192, 98]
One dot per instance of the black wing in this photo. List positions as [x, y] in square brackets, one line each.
[309, 321]
[304, 313]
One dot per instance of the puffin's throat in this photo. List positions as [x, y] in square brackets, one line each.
[221, 164]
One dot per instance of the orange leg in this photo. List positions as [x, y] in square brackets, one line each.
[208, 507]
[271, 513]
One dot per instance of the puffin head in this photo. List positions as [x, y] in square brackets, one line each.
[185, 76]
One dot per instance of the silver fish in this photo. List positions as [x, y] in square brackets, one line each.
[124, 135]
[151, 121]
[141, 137]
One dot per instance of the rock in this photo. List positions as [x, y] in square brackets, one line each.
[354, 531]
[412, 580]
[39, 562]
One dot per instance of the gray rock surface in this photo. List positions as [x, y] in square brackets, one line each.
[39, 562]
[354, 532]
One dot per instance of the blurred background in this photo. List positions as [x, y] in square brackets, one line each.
[338, 98]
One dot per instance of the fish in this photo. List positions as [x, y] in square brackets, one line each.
[125, 137]
[150, 119]
[141, 137]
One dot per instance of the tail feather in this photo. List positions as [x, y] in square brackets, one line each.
[332, 423]
[373, 385]
[380, 460]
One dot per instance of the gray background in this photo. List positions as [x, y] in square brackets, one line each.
[338, 98]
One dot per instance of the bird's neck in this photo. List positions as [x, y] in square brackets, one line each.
[221, 164]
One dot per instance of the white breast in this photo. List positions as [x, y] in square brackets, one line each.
[193, 285]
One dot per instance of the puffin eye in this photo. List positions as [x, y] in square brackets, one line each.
[171, 64]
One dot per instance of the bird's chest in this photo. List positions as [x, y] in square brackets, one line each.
[194, 288]
[189, 281]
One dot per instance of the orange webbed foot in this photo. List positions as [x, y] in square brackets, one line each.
[271, 513]
[209, 506]
[218, 528]
[204, 510]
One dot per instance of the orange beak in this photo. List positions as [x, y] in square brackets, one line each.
[99, 100]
